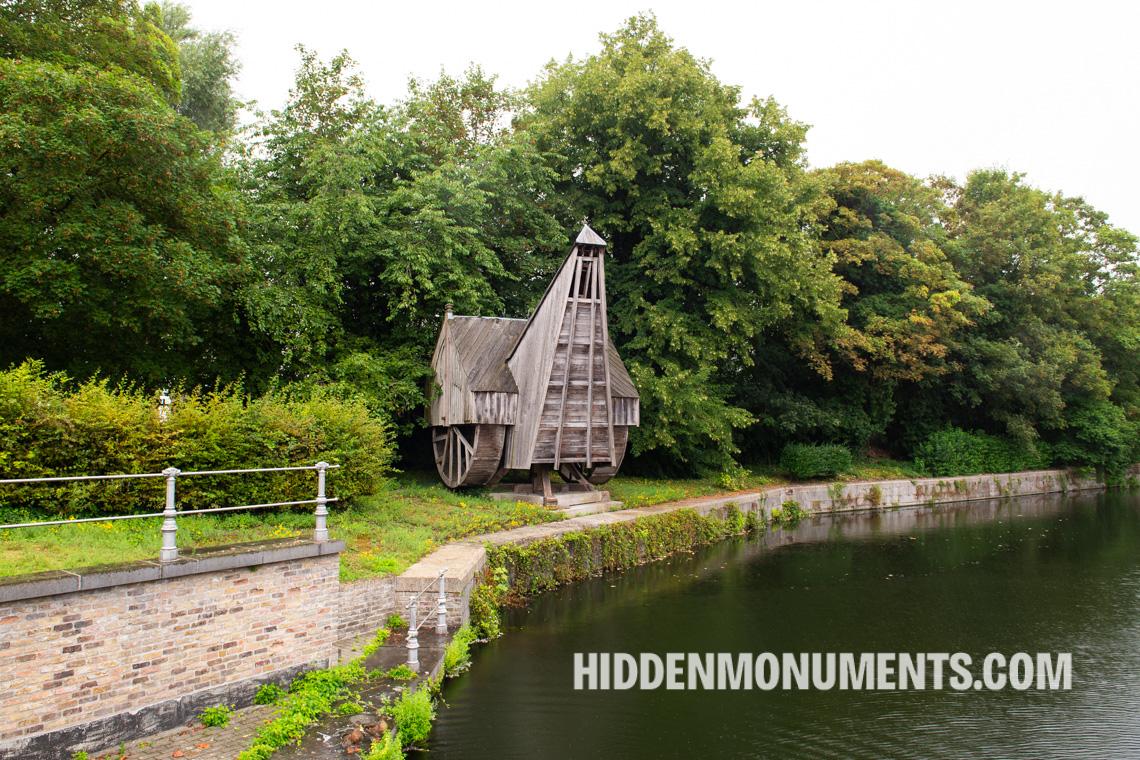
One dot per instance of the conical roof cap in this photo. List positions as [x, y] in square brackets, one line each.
[588, 237]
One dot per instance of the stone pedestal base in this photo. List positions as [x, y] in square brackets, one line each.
[571, 498]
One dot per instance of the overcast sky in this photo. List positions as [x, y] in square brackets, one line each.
[1049, 89]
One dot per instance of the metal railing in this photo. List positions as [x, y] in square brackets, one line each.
[170, 513]
[413, 643]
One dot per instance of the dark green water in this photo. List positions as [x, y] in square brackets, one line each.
[1038, 574]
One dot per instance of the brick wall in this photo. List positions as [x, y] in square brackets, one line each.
[72, 658]
[365, 605]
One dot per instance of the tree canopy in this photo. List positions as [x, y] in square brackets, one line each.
[120, 245]
[757, 301]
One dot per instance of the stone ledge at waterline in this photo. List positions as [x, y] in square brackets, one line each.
[466, 558]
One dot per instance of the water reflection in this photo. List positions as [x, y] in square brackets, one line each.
[1031, 574]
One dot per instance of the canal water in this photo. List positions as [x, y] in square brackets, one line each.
[1035, 574]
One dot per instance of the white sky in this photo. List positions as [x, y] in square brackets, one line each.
[1046, 88]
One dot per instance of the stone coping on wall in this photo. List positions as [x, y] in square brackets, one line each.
[192, 562]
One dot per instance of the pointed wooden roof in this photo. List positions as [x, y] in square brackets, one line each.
[588, 237]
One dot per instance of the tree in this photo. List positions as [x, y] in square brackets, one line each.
[708, 212]
[118, 232]
[904, 303]
[208, 67]
[1063, 286]
[99, 33]
[369, 220]
[903, 296]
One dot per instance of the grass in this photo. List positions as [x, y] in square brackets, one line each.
[384, 533]
[863, 468]
[644, 492]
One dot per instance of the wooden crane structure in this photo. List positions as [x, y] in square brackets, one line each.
[543, 394]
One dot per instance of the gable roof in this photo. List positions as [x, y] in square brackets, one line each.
[483, 344]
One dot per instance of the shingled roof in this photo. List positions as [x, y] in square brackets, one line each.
[483, 345]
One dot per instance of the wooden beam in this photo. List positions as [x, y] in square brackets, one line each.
[606, 344]
[569, 356]
[540, 483]
[592, 292]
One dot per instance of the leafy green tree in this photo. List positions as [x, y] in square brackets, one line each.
[905, 305]
[369, 220]
[708, 212]
[208, 67]
[903, 296]
[100, 33]
[1046, 263]
[119, 236]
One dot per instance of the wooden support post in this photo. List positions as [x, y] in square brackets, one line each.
[540, 475]
[592, 293]
[569, 358]
[606, 363]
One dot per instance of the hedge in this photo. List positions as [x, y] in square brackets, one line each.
[802, 460]
[954, 451]
[51, 426]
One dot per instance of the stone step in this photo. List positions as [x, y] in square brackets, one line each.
[563, 498]
[591, 508]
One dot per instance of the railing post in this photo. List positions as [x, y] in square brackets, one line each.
[321, 530]
[441, 609]
[413, 638]
[169, 525]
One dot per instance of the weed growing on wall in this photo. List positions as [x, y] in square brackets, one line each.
[268, 694]
[547, 564]
[413, 713]
[486, 599]
[387, 748]
[457, 656]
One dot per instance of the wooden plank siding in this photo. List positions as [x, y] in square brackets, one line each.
[531, 363]
[493, 408]
[555, 381]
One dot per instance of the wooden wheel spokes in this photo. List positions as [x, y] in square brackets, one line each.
[578, 472]
[468, 455]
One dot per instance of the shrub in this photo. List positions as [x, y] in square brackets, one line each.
[803, 460]
[395, 622]
[216, 716]
[387, 748]
[49, 426]
[413, 713]
[268, 694]
[457, 656]
[401, 672]
[954, 451]
[789, 513]
[1098, 435]
[485, 601]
